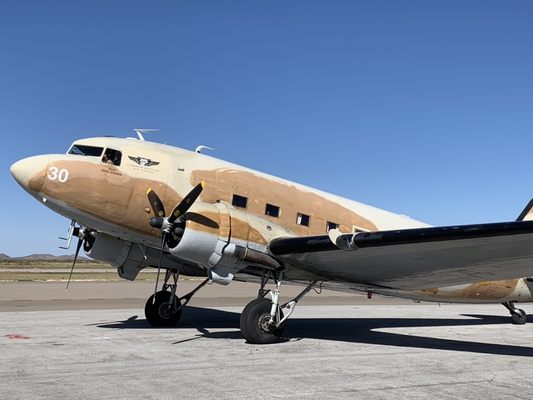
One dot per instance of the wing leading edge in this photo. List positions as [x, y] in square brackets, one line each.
[418, 258]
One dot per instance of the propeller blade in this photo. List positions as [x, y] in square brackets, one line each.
[163, 241]
[167, 225]
[78, 247]
[156, 203]
[186, 203]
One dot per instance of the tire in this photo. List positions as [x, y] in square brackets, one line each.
[253, 320]
[246, 309]
[157, 314]
[519, 317]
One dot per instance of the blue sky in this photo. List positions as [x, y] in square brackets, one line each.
[423, 108]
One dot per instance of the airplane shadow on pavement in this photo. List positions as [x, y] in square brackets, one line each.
[353, 330]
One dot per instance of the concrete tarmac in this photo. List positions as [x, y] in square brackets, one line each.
[363, 349]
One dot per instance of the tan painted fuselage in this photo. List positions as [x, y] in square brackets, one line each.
[112, 199]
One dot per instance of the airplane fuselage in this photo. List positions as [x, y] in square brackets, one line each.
[105, 189]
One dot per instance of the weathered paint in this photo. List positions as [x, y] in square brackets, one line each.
[116, 196]
[481, 292]
[224, 182]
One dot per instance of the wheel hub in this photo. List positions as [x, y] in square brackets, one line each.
[165, 310]
[265, 325]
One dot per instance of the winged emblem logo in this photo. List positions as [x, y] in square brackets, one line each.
[144, 162]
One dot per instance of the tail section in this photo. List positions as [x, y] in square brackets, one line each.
[527, 213]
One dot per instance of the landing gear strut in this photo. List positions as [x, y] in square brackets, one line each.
[164, 308]
[518, 316]
[262, 320]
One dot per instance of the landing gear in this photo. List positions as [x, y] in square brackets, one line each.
[256, 325]
[164, 308]
[161, 311]
[262, 320]
[518, 316]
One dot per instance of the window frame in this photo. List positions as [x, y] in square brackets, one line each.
[301, 217]
[80, 148]
[113, 155]
[237, 198]
[273, 207]
[333, 224]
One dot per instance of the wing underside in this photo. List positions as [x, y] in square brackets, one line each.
[413, 259]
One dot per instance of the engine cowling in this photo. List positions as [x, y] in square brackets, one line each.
[201, 235]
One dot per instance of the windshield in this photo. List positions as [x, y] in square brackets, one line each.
[83, 150]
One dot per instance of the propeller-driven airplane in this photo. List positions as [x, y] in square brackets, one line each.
[138, 204]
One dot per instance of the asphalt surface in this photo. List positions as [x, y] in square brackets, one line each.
[39, 296]
[372, 349]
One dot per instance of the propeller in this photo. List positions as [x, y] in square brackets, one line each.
[82, 235]
[171, 227]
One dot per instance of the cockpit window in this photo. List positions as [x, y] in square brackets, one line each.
[83, 150]
[112, 157]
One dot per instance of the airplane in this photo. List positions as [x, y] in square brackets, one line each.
[135, 203]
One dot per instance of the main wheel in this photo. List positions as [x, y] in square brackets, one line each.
[519, 317]
[160, 313]
[244, 312]
[255, 323]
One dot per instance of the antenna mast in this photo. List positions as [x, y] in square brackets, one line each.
[202, 147]
[141, 131]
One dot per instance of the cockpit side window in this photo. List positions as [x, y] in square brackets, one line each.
[112, 156]
[83, 150]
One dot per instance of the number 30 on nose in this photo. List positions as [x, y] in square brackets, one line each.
[54, 173]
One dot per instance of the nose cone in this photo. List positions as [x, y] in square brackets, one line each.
[30, 172]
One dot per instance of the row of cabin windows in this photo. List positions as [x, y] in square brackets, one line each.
[274, 211]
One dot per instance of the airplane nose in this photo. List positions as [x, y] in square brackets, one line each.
[30, 172]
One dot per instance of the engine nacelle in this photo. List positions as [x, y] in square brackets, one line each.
[129, 258]
[207, 233]
[201, 236]
[217, 237]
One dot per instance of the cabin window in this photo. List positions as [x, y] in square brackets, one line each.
[239, 201]
[331, 225]
[112, 157]
[303, 219]
[82, 150]
[272, 210]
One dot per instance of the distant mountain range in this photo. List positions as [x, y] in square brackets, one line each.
[43, 257]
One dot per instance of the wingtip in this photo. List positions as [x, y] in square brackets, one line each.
[149, 190]
[203, 184]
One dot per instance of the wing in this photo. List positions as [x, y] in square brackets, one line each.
[415, 258]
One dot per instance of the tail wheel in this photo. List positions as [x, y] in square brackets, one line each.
[255, 323]
[161, 312]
